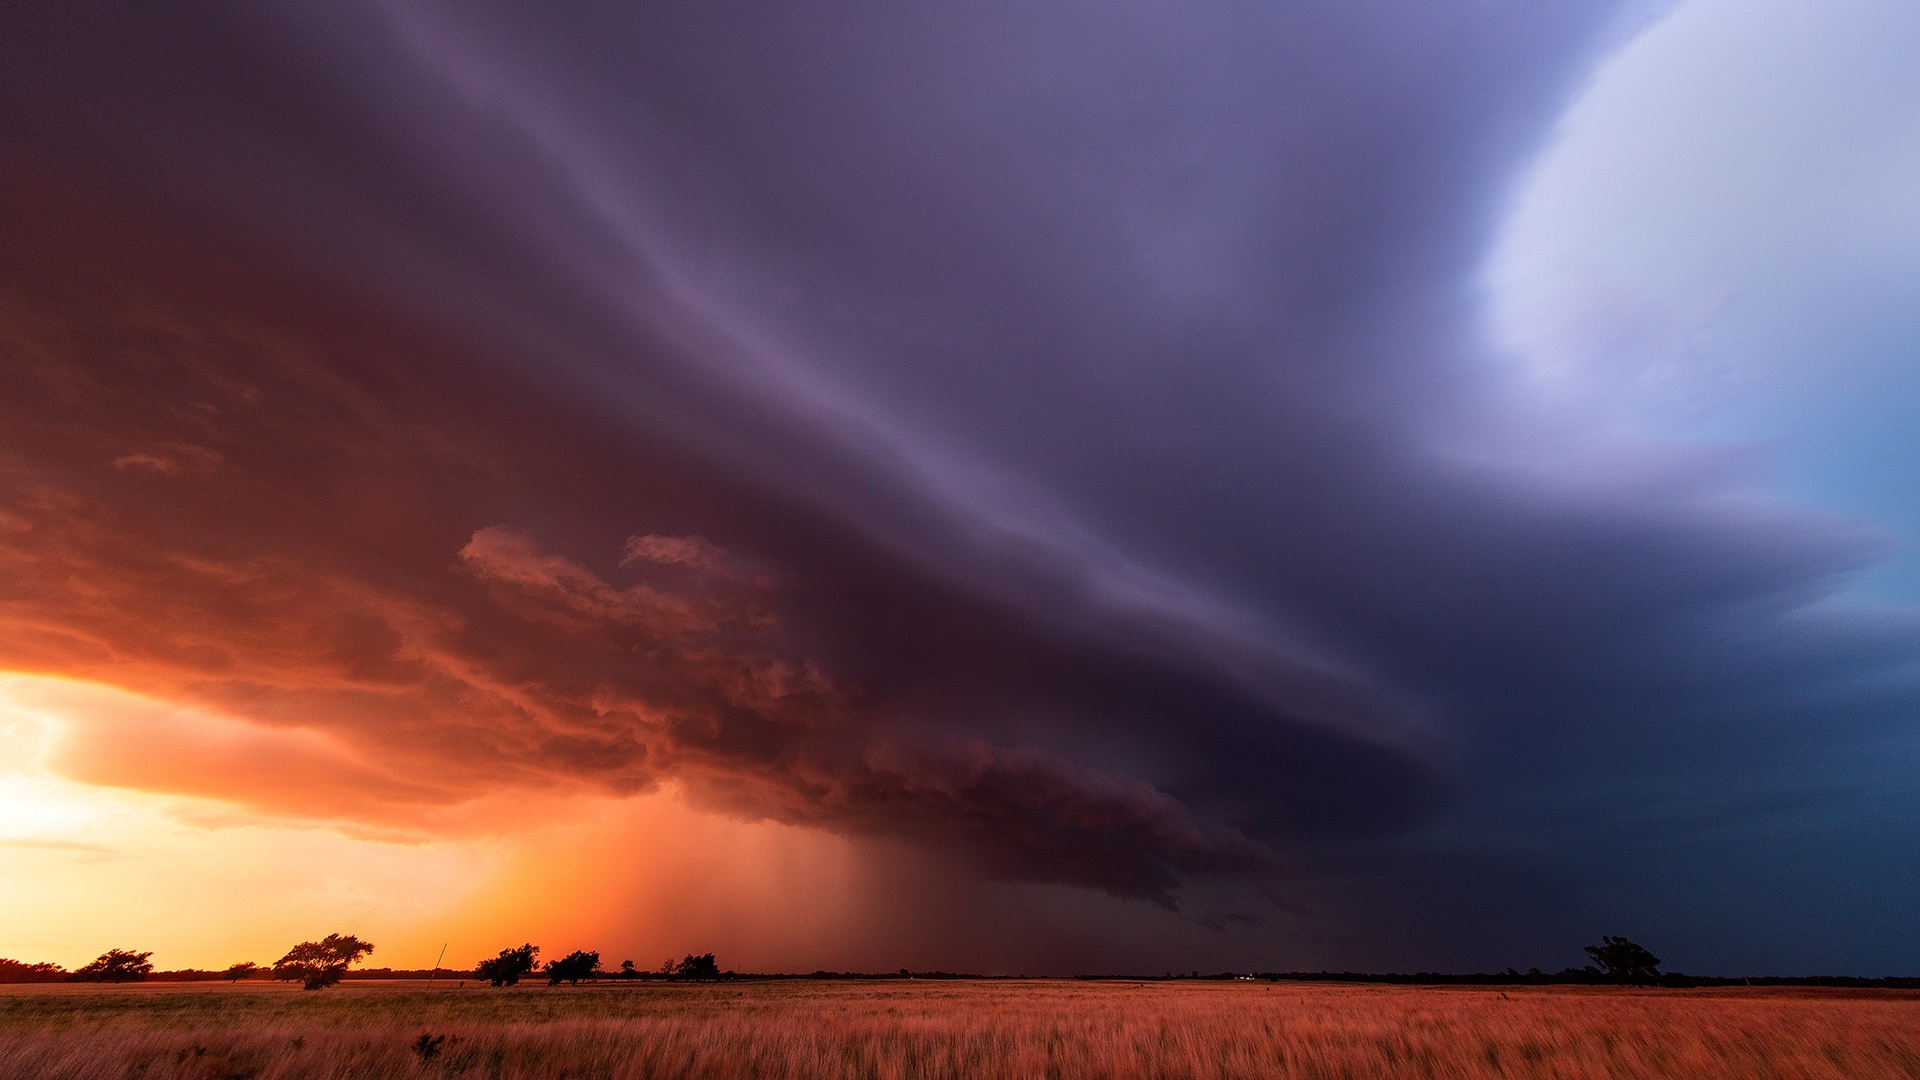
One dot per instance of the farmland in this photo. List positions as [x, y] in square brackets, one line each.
[989, 1029]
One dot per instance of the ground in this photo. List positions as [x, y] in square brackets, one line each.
[1064, 1029]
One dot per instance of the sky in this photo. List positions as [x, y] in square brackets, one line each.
[1049, 488]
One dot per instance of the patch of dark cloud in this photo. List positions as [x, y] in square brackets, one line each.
[333, 576]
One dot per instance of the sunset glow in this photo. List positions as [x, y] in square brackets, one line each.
[204, 882]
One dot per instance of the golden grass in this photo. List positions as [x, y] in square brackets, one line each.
[1024, 1029]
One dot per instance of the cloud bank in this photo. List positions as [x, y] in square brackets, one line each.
[1061, 439]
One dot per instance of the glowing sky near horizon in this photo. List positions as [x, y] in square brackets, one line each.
[199, 882]
[1042, 490]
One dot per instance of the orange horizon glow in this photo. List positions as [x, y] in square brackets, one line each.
[206, 882]
[234, 719]
[322, 620]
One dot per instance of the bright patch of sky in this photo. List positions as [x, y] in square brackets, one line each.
[206, 883]
[197, 882]
[1723, 242]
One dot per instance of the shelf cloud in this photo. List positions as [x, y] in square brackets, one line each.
[1059, 438]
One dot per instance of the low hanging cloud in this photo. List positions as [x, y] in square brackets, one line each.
[395, 673]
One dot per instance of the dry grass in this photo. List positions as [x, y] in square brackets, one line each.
[1023, 1029]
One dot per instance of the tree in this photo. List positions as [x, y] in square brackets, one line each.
[116, 965]
[572, 967]
[14, 971]
[627, 971]
[507, 968]
[697, 967]
[320, 964]
[1623, 960]
[242, 970]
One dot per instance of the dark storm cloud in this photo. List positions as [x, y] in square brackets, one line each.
[240, 492]
[1070, 419]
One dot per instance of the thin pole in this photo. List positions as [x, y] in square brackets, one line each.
[436, 963]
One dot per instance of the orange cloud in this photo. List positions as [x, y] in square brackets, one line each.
[273, 506]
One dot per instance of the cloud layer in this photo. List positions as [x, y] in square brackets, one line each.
[217, 512]
[1060, 439]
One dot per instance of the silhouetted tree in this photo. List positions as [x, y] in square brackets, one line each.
[13, 971]
[507, 968]
[116, 965]
[1622, 959]
[320, 964]
[242, 970]
[627, 971]
[572, 967]
[697, 967]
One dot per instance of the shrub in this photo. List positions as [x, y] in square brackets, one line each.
[428, 1045]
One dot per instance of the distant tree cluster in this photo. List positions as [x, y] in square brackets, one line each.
[314, 964]
[697, 967]
[116, 966]
[512, 965]
[507, 968]
[1615, 960]
[323, 963]
[14, 971]
[572, 968]
[320, 964]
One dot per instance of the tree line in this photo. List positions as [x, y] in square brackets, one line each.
[316, 965]
[512, 965]
[320, 964]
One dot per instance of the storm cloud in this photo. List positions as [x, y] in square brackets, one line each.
[1062, 437]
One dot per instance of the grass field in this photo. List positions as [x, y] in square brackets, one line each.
[1025, 1029]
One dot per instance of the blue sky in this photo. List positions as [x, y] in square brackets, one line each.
[1722, 241]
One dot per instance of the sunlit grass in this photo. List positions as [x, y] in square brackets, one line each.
[1024, 1029]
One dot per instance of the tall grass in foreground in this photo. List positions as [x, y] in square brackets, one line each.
[890, 1030]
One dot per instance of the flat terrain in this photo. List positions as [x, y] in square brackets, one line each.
[1016, 1028]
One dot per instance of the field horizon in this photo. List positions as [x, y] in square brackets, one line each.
[1016, 1027]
